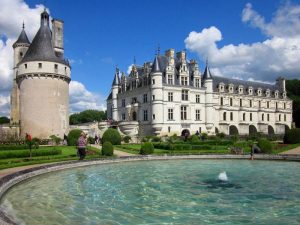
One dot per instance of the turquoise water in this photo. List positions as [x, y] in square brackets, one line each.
[162, 192]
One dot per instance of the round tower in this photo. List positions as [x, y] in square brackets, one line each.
[114, 92]
[156, 97]
[43, 78]
[209, 110]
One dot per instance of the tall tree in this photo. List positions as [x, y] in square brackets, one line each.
[86, 116]
[293, 92]
[4, 119]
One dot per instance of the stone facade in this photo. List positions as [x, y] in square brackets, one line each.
[171, 96]
[40, 94]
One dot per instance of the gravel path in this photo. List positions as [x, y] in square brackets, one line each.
[295, 151]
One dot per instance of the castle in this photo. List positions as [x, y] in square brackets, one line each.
[171, 96]
[40, 94]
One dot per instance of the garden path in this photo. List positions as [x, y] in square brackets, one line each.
[295, 151]
[118, 153]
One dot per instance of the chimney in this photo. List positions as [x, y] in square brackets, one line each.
[170, 53]
[180, 55]
[58, 37]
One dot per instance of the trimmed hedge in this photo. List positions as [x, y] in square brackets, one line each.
[292, 136]
[107, 149]
[265, 145]
[112, 135]
[26, 153]
[13, 147]
[181, 147]
[147, 148]
[73, 137]
[202, 147]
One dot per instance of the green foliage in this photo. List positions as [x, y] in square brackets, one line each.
[91, 140]
[292, 136]
[293, 92]
[55, 139]
[13, 147]
[202, 147]
[194, 139]
[87, 116]
[162, 145]
[4, 120]
[234, 138]
[174, 139]
[156, 139]
[73, 137]
[126, 139]
[181, 147]
[107, 149]
[204, 136]
[26, 153]
[147, 148]
[112, 135]
[36, 142]
[265, 145]
[220, 135]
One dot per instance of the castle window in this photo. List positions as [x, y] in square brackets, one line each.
[123, 116]
[65, 70]
[145, 115]
[276, 105]
[55, 67]
[284, 117]
[231, 102]
[250, 90]
[170, 96]
[25, 65]
[153, 97]
[231, 116]
[268, 104]
[145, 98]
[284, 95]
[153, 81]
[170, 79]
[250, 116]
[279, 117]
[40, 65]
[170, 114]
[268, 117]
[153, 116]
[259, 92]
[197, 98]
[184, 95]
[197, 114]
[241, 102]
[183, 113]
[21, 54]
[184, 81]
[250, 103]
[224, 116]
[123, 102]
[276, 94]
[268, 93]
[259, 104]
[197, 83]
[244, 116]
[263, 117]
[169, 129]
[221, 101]
[284, 105]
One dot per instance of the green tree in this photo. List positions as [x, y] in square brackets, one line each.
[86, 116]
[4, 119]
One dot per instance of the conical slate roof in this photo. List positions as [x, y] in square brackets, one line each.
[116, 78]
[23, 39]
[207, 75]
[155, 65]
[41, 48]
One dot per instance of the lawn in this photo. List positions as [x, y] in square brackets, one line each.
[68, 153]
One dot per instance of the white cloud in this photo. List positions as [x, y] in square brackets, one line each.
[82, 99]
[266, 60]
[4, 105]
[129, 69]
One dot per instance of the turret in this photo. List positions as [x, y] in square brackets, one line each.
[209, 110]
[114, 92]
[156, 96]
[58, 37]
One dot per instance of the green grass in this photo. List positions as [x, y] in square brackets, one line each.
[282, 148]
[68, 153]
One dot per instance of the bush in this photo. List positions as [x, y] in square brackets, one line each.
[107, 149]
[55, 139]
[111, 135]
[147, 148]
[91, 140]
[265, 145]
[13, 147]
[162, 145]
[126, 139]
[73, 137]
[204, 136]
[292, 136]
[202, 147]
[181, 147]
[36, 143]
[194, 139]
[26, 153]
[220, 135]
[156, 139]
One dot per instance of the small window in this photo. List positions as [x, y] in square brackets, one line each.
[55, 66]
[250, 116]
[21, 54]
[153, 81]
[224, 116]
[197, 98]
[241, 102]
[153, 97]
[40, 65]
[221, 101]
[153, 116]
[244, 116]
[231, 102]
[250, 103]
[169, 129]
[231, 116]
[25, 66]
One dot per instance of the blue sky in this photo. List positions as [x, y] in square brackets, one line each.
[251, 40]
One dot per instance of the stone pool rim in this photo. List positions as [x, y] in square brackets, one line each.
[12, 179]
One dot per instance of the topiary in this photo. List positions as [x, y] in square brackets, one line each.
[107, 149]
[126, 139]
[112, 135]
[292, 136]
[147, 148]
[73, 137]
[265, 145]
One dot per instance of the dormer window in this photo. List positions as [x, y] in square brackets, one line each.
[268, 93]
[241, 89]
[276, 94]
[221, 87]
[284, 95]
[259, 91]
[230, 88]
[250, 90]
[40, 65]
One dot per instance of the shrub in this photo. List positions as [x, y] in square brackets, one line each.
[73, 137]
[181, 147]
[204, 136]
[194, 139]
[107, 149]
[26, 153]
[156, 139]
[147, 148]
[36, 143]
[265, 145]
[126, 139]
[55, 139]
[202, 147]
[292, 136]
[13, 147]
[111, 135]
[220, 135]
[162, 145]
[91, 140]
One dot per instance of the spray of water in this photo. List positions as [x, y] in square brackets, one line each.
[223, 176]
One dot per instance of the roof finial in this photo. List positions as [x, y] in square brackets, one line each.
[134, 60]
[206, 62]
[23, 25]
[158, 49]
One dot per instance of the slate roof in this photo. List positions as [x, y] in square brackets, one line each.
[207, 75]
[41, 48]
[156, 66]
[23, 39]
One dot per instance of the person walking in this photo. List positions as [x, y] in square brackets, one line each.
[81, 145]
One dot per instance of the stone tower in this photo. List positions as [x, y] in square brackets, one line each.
[42, 79]
[114, 92]
[209, 109]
